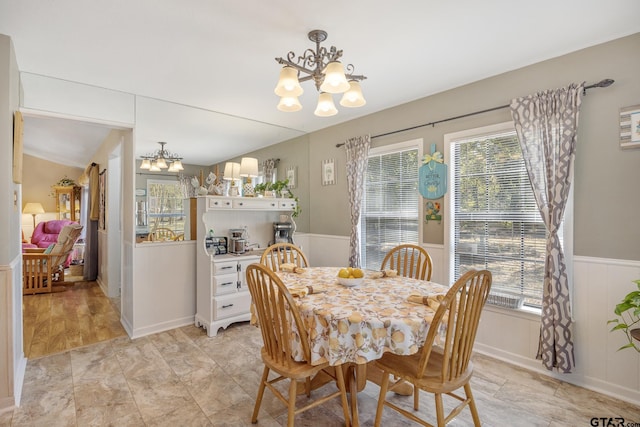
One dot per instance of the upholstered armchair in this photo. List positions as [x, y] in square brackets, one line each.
[42, 271]
[46, 232]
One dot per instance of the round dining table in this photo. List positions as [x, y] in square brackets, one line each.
[350, 326]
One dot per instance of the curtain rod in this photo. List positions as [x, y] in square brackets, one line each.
[156, 174]
[601, 83]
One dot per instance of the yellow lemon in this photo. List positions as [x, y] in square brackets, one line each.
[357, 273]
[344, 273]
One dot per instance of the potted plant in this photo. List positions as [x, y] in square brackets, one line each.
[280, 187]
[260, 189]
[628, 311]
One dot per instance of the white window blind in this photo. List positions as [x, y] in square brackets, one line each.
[496, 224]
[390, 209]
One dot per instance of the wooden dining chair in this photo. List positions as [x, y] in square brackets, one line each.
[283, 253]
[161, 234]
[444, 364]
[409, 260]
[276, 312]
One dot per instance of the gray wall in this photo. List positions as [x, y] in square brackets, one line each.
[294, 152]
[606, 177]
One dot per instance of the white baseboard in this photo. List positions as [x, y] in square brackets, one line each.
[161, 327]
[594, 384]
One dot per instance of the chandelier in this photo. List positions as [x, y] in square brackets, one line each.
[161, 159]
[324, 68]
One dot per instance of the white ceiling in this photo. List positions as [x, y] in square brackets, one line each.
[218, 56]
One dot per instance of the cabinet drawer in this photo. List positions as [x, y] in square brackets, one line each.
[225, 267]
[225, 284]
[253, 203]
[218, 203]
[287, 204]
[231, 305]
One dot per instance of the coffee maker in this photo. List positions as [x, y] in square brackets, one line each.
[237, 241]
[282, 232]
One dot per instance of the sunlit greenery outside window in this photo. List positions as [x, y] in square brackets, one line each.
[494, 219]
[165, 205]
[390, 209]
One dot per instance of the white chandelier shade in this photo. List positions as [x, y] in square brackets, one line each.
[353, 97]
[321, 65]
[288, 84]
[289, 104]
[326, 107]
[334, 78]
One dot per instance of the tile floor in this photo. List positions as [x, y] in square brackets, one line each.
[184, 378]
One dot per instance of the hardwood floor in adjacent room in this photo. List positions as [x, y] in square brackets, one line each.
[60, 321]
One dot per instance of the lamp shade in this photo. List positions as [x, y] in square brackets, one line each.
[231, 171]
[161, 163]
[33, 208]
[177, 165]
[288, 84]
[146, 164]
[334, 78]
[289, 104]
[325, 107]
[249, 167]
[353, 97]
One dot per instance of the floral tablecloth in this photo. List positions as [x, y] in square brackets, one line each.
[358, 324]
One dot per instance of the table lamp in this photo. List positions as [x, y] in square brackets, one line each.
[232, 173]
[249, 169]
[33, 209]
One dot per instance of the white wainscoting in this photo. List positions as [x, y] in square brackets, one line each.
[512, 336]
[163, 293]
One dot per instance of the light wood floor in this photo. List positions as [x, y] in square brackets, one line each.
[60, 321]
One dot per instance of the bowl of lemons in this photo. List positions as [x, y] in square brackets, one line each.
[349, 276]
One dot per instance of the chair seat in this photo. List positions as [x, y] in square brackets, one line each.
[297, 370]
[406, 367]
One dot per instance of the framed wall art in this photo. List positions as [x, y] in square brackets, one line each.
[292, 176]
[630, 127]
[328, 172]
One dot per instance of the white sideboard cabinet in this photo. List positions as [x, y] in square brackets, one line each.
[222, 297]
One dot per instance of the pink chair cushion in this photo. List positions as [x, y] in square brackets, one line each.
[47, 232]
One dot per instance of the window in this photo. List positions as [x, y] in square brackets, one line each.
[164, 205]
[390, 212]
[494, 220]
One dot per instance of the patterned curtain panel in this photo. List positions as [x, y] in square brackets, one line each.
[357, 157]
[547, 124]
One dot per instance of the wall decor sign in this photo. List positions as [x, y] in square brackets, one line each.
[292, 176]
[630, 127]
[328, 172]
[432, 179]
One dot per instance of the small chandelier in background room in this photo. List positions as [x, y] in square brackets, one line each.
[326, 71]
[162, 159]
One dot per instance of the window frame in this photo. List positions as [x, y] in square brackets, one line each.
[389, 149]
[449, 218]
[148, 196]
